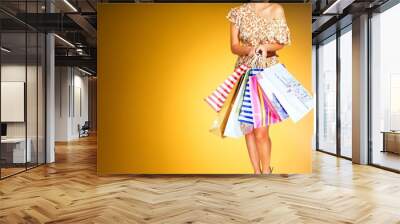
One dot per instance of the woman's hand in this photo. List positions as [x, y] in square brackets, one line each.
[252, 52]
[262, 50]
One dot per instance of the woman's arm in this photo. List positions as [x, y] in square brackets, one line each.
[272, 47]
[236, 47]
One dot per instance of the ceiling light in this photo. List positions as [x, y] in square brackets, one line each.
[65, 41]
[79, 51]
[5, 50]
[70, 5]
[84, 71]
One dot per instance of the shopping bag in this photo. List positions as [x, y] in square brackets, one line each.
[274, 104]
[219, 124]
[258, 112]
[246, 114]
[218, 97]
[233, 125]
[294, 98]
[264, 111]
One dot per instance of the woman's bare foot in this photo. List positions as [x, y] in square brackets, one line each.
[267, 171]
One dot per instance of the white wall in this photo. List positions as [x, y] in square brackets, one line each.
[34, 126]
[71, 102]
[9, 73]
[81, 103]
[62, 81]
[12, 73]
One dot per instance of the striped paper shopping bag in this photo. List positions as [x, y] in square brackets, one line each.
[217, 98]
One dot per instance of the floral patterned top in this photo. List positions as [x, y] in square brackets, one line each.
[255, 30]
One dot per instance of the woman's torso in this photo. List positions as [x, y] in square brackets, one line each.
[255, 30]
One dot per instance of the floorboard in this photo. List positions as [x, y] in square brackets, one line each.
[69, 191]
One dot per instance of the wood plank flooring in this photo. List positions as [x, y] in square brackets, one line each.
[10, 171]
[69, 191]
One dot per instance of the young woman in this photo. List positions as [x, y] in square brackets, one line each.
[258, 30]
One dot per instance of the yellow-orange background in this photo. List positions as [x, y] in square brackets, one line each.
[156, 63]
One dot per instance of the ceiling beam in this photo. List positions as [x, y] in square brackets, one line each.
[81, 61]
[84, 24]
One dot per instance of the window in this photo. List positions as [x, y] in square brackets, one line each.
[346, 92]
[22, 88]
[327, 96]
[385, 89]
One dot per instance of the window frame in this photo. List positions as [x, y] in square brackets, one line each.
[334, 37]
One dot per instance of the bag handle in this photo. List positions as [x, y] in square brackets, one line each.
[257, 60]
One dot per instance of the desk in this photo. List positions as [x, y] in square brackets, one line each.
[13, 150]
[391, 141]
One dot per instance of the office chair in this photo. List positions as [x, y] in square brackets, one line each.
[84, 130]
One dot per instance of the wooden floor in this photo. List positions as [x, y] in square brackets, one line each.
[69, 191]
[5, 172]
[386, 159]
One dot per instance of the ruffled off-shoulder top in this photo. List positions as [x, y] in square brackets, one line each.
[255, 30]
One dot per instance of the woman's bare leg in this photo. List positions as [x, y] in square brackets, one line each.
[253, 153]
[263, 143]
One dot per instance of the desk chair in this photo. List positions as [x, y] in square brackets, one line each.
[84, 130]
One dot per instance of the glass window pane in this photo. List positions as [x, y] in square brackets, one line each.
[13, 87]
[22, 89]
[41, 98]
[314, 78]
[385, 84]
[32, 95]
[346, 94]
[327, 96]
[31, 87]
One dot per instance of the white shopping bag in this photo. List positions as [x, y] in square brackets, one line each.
[232, 128]
[294, 98]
